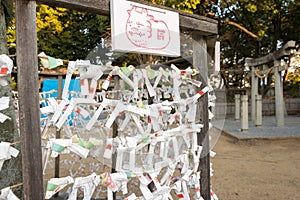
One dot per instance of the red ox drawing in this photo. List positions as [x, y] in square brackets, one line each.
[144, 31]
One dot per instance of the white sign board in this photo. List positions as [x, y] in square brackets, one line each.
[144, 29]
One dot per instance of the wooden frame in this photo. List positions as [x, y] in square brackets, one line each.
[201, 27]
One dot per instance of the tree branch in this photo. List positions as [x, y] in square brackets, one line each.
[236, 25]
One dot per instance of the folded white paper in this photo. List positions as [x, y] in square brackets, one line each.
[7, 194]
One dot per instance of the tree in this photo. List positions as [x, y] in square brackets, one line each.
[11, 172]
[64, 33]
[291, 23]
[67, 33]
[267, 19]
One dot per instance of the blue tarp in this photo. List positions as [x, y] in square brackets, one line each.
[52, 84]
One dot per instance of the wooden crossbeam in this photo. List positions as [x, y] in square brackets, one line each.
[187, 21]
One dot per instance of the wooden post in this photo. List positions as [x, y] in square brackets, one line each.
[200, 62]
[29, 100]
[254, 92]
[279, 104]
[115, 130]
[57, 159]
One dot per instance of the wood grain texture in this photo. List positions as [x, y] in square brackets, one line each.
[200, 62]
[29, 100]
[187, 21]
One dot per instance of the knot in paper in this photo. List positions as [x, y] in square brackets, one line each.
[127, 70]
[6, 65]
[107, 181]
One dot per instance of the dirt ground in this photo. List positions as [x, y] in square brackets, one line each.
[256, 169]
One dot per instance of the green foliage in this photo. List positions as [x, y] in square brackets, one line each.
[292, 83]
[69, 34]
[190, 6]
[291, 24]
[11, 38]
[64, 33]
[14, 84]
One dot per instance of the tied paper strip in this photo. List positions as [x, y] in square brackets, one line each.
[71, 69]
[131, 197]
[98, 112]
[6, 65]
[196, 181]
[71, 107]
[65, 146]
[55, 185]
[4, 104]
[88, 72]
[185, 191]
[124, 77]
[108, 148]
[196, 157]
[118, 109]
[49, 62]
[176, 83]
[158, 78]
[167, 178]
[137, 76]
[53, 105]
[114, 182]
[7, 194]
[127, 70]
[88, 184]
[83, 67]
[200, 93]
[107, 80]
[59, 110]
[139, 117]
[120, 178]
[58, 145]
[107, 181]
[7, 152]
[66, 114]
[150, 89]
[146, 192]
[155, 180]
[213, 195]
[120, 154]
[84, 86]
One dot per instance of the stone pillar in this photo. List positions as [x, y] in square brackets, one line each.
[279, 104]
[258, 105]
[254, 92]
[244, 113]
[237, 106]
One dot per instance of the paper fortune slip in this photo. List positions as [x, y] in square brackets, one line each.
[55, 185]
[49, 62]
[7, 152]
[156, 116]
[6, 65]
[4, 104]
[7, 194]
